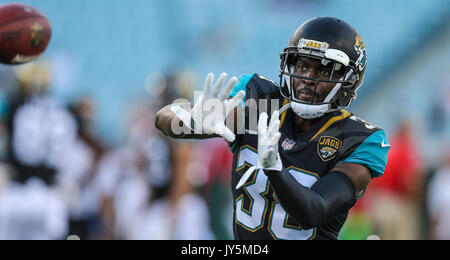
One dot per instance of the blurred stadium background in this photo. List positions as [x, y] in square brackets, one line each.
[82, 156]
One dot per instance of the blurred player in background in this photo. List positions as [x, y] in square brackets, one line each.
[297, 174]
[394, 205]
[439, 199]
[144, 187]
[39, 129]
[51, 156]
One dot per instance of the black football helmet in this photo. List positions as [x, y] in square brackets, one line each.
[327, 39]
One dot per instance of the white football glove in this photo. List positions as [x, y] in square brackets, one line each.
[201, 119]
[268, 156]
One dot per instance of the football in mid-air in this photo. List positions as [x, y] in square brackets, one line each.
[24, 33]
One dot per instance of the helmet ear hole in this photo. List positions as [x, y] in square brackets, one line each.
[354, 78]
[344, 97]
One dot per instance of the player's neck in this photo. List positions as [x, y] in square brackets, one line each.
[303, 125]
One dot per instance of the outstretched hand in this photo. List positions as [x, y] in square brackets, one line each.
[268, 156]
[211, 109]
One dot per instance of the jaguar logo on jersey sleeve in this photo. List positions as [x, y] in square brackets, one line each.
[327, 147]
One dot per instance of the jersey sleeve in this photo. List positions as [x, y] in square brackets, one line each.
[241, 85]
[371, 153]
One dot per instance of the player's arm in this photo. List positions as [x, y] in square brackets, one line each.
[327, 198]
[330, 196]
[334, 193]
[213, 114]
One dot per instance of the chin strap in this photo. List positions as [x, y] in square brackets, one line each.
[307, 111]
[285, 107]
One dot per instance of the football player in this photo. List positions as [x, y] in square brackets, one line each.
[298, 173]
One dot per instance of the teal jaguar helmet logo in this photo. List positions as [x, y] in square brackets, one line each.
[360, 49]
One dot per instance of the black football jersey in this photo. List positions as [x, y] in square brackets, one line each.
[332, 139]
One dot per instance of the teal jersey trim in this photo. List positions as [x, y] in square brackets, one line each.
[372, 153]
[241, 85]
